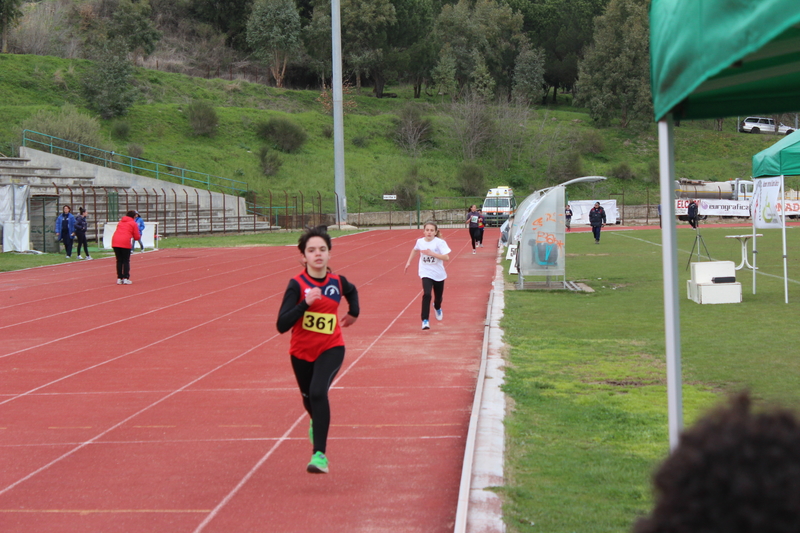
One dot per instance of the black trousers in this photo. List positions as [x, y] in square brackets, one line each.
[66, 238]
[123, 262]
[438, 291]
[82, 242]
[596, 232]
[314, 380]
[474, 236]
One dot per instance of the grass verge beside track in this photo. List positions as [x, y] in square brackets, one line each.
[586, 375]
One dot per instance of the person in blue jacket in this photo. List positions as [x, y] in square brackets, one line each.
[65, 229]
[140, 223]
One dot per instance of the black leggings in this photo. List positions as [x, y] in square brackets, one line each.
[438, 292]
[314, 380]
[474, 236]
[82, 242]
[123, 262]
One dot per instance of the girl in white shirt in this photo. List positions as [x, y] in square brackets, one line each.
[433, 252]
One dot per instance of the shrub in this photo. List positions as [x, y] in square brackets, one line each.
[284, 134]
[360, 141]
[74, 128]
[408, 190]
[121, 130]
[270, 161]
[591, 142]
[135, 150]
[327, 131]
[203, 118]
[623, 171]
[471, 179]
[413, 131]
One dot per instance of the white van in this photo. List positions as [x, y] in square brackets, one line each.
[498, 205]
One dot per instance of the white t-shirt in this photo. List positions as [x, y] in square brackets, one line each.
[429, 266]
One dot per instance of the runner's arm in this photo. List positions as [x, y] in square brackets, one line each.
[291, 311]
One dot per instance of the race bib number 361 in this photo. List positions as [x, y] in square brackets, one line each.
[319, 322]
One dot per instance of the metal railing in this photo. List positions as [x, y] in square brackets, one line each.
[133, 165]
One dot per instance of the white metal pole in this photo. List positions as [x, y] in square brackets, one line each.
[755, 253]
[670, 270]
[783, 229]
[338, 112]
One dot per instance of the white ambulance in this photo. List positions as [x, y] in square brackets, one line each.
[498, 205]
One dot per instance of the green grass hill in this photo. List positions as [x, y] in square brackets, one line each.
[548, 145]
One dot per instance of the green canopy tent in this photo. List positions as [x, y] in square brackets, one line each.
[711, 59]
[780, 159]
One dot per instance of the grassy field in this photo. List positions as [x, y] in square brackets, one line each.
[586, 374]
[375, 165]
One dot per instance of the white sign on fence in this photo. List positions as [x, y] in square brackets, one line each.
[390, 197]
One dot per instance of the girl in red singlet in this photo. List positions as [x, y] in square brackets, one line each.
[310, 309]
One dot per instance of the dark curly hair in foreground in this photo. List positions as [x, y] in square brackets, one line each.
[735, 471]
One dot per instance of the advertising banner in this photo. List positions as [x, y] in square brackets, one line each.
[766, 198]
[716, 208]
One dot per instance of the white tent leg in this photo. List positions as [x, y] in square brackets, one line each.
[672, 323]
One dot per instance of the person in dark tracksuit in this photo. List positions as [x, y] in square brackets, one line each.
[65, 229]
[80, 232]
[691, 213]
[310, 310]
[473, 221]
[597, 218]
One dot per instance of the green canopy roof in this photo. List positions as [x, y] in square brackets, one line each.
[780, 159]
[718, 58]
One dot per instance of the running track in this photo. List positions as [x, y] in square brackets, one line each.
[170, 405]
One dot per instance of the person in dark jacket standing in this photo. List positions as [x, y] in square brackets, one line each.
[65, 229]
[568, 217]
[80, 232]
[691, 213]
[597, 218]
[127, 232]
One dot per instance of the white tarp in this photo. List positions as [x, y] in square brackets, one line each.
[14, 217]
[581, 208]
[148, 237]
[541, 249]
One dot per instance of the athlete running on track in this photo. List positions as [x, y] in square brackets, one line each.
[433, 252]
[310, 309]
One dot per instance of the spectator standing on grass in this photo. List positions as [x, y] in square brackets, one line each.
[734, 471]
[568, 217]
[597, 219]
[65, 229]
[472, 223]
[140, 224]
[310, 309]
[433, 252]
[122, 242]
[80, 232]
[691, 213]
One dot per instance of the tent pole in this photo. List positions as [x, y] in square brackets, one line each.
[783, 229]
[672, 324]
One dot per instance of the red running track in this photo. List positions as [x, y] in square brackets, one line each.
[170, 405]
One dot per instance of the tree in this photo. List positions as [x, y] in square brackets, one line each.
[411, 51]
[529, 76]
[482, 82]
[365, 24]
[131, 23]
[227, 16]
[444, 73]
[615, 74]
[108, 86]
[273, 32]
[10, 12]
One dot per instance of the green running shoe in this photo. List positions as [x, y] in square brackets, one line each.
[318, 464]
[311, 431]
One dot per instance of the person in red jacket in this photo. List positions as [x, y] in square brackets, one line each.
[127, 232]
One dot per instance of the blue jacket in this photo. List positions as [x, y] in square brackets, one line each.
[140, 223]
[70, 223]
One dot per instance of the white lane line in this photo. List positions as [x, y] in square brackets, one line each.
[17, 396]
[131, 417]
[285, 436]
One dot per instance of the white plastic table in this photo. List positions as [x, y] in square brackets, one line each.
[743, 239]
